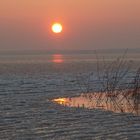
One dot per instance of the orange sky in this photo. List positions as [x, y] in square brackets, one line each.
[88, 24]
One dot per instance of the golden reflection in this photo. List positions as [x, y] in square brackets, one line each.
[119, 103]
[57, 58]
[61, 101]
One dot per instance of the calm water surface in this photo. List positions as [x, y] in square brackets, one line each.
[115, 102]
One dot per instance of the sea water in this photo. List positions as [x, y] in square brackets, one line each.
[30, 80]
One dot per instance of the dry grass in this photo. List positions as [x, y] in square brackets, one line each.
[114, 79]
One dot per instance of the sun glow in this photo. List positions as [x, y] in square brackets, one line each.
[57, 28]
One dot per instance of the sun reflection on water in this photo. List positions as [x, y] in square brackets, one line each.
[57, 58]
[61, 101]
[117, 104]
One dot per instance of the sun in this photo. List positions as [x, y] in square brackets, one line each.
[57, 28]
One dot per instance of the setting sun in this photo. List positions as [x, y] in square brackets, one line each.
[57, 28]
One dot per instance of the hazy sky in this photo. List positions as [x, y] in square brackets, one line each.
[88, 24]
